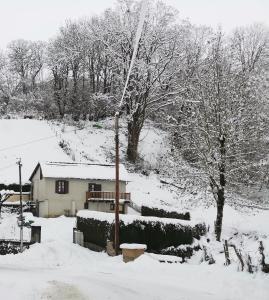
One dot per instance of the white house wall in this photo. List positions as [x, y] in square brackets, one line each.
[102, 206]
[38, 187]
[58, 204]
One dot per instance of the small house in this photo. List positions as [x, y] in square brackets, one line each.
[64, 188]
[14, 197]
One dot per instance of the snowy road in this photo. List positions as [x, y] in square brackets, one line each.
[58, 269]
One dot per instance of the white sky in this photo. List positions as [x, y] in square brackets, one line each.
[40, 19]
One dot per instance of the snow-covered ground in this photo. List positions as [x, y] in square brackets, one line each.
[30, 140]
[58, 269]
[35, 140]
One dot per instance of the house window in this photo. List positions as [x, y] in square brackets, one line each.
[121, 208]
[93, 187]
[61, 187]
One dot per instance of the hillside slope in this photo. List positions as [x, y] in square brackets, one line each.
[30, 140]
[34, 141]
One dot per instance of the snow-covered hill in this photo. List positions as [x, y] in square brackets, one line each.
[30, 140]
[72, 272]
[34, 140]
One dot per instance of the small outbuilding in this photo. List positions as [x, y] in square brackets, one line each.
[64, 188]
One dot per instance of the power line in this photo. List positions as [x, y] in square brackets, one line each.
[136, 44]
[38, 140]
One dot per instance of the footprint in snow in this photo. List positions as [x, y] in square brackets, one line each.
[62, 291]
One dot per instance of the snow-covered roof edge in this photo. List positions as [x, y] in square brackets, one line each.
[123, 178]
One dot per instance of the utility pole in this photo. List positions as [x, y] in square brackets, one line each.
[117, 116]
[117, 192]
[21, 212]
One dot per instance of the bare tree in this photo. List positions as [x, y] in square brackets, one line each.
[26, 59]
[221, 125]
[59, 67]
[9, 84]
[19, 59]
[37, 60]
[148, 84]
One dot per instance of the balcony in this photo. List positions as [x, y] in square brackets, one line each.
[107, 196]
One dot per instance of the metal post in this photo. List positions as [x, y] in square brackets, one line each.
[116, 240]
[21, 212]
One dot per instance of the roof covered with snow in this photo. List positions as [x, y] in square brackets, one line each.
[79, 171]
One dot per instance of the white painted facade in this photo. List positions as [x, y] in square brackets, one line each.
[52, 204]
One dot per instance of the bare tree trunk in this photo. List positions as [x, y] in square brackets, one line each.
[133, 140]
[57, 87]
[220, 189]
[24, 87]
[218, 223]
[74, 97]
[92, 75]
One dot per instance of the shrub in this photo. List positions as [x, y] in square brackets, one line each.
[95, 231]
[161, 213]
[10, 247]
[157, 234]
[15, 187]
[6, 248]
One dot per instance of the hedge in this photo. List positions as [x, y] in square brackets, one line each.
[15, 187]
[158, 234]
[10, 247]
[161, 213]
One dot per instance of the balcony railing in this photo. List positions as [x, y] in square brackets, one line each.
[107, 196]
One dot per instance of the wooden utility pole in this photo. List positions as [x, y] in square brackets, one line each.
[21, 212]
[117, 192]
[117, 115]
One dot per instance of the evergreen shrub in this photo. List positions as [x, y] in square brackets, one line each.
[157, 235]
[161, 213]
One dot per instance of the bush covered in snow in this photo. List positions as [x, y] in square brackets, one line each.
[158, 234]
[161, 213]
[7, 247]
[184, 252]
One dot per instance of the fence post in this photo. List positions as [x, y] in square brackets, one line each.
[78, 237]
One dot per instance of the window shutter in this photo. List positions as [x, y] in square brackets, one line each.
[66, 187]
[91, 187]
[56, 186]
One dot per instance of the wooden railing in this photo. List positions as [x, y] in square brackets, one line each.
[106, 196]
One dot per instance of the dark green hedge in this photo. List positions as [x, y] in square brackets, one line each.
[95, 231]
[15, 187]
[161, 213]
[157, 235]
